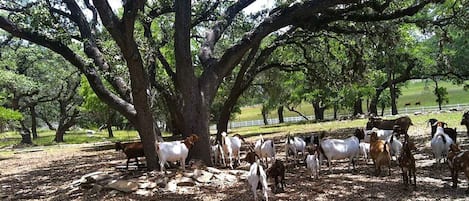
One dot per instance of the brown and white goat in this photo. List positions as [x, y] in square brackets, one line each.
[131, 150]
[277, 171]
[459, 162]
[380, 153]
[175, 151]
[407, 162]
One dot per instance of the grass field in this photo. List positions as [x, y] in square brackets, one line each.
[415, 91]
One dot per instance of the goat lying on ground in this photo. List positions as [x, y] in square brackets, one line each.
[380, 153]
[131, 150]
[175, 151]
[440, 144]
[407, 162]
[277, 171]
[257, 179]
[459, 162]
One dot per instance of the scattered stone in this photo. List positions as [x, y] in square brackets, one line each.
[185, 181]
[226, 177]
[143, 192]
[202, 176]
[213, 170]
[123, 185]
[162, 182]
[147, 185]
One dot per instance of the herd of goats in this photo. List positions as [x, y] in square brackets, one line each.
[380, 139]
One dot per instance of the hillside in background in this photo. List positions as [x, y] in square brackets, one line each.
[414, 91]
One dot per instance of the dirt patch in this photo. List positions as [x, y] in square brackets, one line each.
[48, 174]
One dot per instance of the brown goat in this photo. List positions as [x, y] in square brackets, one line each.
[380, 153]
[407, 162]
[460, 162]
[131, 150]
[277, 171]
[403, 122]
[465, 121]
[190, 141]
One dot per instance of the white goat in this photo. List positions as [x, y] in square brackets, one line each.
[217, 154]
[364, 150]
[295, 145]
[257, 176]
[395, 146]
[312, 163]
[440, 143]
[175, 151]
[231, 147]
[382, 134]
[265, 149]
[341, 149]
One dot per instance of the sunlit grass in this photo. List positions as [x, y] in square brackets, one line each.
[414, 92]
[452, 118]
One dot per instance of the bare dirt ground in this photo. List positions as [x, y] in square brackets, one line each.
[48, 174]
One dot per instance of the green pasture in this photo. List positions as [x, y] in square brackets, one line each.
[46, 137]
[412, 92]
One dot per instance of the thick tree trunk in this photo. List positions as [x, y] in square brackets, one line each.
[336, 108]
[374, 102]
[280, 114]
[25, 135]
[318, 111]
[393, 100]
[382, 109]
[32, 110]
[197, 94]
[357, 107]
[59, 134]
[265, 113]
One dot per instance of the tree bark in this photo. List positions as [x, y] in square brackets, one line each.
[280, 114]
[265, 113]
[357, 107]
[32, 110]
[109, 123]
[292, 109]
[196, 93]
[318, 111]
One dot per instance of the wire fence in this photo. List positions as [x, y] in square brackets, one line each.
[405, 110]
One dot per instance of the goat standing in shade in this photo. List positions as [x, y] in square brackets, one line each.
[265, 149]
[294, 145]
[131, 150]
[334, 149]
[407, 162]
[175, 151]
[257, 178]
[440, 143]
[231, 147]
[380, 153]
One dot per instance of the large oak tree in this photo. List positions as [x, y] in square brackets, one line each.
[193, 80]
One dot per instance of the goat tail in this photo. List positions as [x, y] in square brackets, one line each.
[386, 147]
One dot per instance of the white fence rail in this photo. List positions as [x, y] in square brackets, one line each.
[406, 110]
